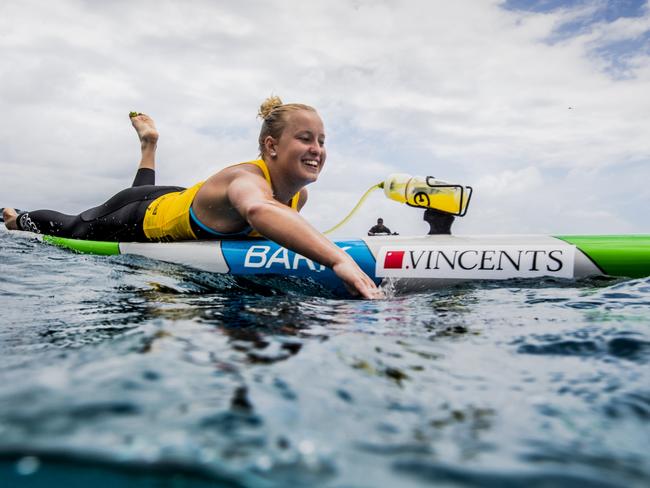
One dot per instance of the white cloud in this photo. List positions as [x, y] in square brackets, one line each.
[508, 182]
[465, 90]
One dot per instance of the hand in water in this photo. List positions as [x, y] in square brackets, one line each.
[356, 281]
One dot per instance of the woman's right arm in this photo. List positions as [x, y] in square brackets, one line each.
[251, 196]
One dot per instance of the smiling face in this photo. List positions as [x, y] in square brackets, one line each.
[300, 151]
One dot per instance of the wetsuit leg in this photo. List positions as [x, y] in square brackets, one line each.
[116, 226]
[47, 222]
[119, 219]
[144, 176]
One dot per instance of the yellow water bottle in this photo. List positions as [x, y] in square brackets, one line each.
[427, 192]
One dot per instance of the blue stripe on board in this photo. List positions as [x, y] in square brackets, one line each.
[266, 257]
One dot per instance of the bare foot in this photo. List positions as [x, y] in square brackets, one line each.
[148, 135]
[9, 215]
[145, 127]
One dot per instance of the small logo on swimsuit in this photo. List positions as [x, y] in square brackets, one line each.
[28, 224]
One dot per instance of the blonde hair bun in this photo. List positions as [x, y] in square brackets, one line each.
[269, 105]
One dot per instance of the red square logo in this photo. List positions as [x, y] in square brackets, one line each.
[393, 260]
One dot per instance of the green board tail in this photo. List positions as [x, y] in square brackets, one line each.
[86, 247]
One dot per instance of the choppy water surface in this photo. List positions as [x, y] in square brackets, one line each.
[123, 370]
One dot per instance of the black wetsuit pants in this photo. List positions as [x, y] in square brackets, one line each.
[119, 219]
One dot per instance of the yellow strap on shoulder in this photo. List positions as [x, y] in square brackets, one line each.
[261, 164]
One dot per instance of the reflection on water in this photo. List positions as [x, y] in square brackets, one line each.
[121, 370]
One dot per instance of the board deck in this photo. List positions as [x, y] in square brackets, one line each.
[410, 263]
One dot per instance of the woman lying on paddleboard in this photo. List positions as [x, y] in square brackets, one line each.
[260, 197]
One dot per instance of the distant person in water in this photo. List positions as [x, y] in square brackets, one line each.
[380, 229]
[255, 198]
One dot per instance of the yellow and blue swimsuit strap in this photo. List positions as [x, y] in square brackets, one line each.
[294, 201]
[261, 164]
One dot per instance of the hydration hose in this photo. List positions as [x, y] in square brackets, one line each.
[356, 207]
[419, 192]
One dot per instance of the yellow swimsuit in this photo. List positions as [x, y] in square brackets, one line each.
[168, 217]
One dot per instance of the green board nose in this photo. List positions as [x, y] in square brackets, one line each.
[616, 255]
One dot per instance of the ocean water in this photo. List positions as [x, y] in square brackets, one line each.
[121, 371]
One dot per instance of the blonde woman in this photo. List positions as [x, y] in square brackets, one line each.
[256, 198]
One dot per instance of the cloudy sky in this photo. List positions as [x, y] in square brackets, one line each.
[543, 107]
